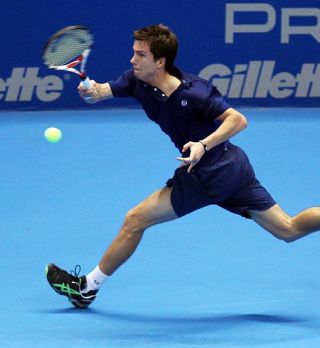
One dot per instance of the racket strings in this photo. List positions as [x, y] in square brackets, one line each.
[66, 47]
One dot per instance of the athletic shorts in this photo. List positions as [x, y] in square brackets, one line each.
[229, 182]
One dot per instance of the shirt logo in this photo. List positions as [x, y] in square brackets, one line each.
[184, 103]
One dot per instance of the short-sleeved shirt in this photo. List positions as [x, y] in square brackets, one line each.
[188, 114]
[224, 175]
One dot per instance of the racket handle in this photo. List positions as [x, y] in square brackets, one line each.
[87, 83]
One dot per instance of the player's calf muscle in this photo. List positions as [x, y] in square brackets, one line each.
[307, 221]
[304, 223]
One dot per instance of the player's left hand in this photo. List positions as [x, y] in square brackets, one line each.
[196, 152]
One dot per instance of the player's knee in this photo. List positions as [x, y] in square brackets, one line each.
[287, 233]
[287, 238]
[284, 237]
[134, 221]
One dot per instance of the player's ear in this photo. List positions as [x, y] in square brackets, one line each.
[161, 62]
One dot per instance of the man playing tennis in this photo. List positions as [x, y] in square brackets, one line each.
[199, 123]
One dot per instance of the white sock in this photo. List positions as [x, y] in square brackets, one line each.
[95, 279]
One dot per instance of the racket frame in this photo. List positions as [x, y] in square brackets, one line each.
[81, 59]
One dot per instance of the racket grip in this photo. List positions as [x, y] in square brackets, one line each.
[87, 83]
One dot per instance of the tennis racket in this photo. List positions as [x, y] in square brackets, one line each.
[68, 48]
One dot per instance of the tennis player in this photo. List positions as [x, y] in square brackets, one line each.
[214, 171]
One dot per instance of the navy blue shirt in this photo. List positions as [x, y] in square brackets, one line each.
[188, 114]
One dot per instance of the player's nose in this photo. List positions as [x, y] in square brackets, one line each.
[133, 60]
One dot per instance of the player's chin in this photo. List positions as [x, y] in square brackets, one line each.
[137, 73]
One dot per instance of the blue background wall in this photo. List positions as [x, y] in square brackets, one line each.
[279, 73]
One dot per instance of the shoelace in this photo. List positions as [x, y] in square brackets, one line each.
[76, 272]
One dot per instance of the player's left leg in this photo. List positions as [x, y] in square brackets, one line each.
[286, 227]
[155, 209]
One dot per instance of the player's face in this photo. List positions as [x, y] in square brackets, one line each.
[144, 65]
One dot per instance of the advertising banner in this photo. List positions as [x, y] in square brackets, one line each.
[257, 53]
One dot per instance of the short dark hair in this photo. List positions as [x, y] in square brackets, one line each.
[162, 41]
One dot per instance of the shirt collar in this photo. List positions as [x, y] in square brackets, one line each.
[185, 80]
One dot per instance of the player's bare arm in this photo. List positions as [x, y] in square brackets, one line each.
[232, 123]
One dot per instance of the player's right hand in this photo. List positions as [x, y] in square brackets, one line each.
[90, 95]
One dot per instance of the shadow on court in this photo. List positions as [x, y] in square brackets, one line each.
[208, 329]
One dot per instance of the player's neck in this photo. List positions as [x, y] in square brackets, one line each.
[166, 83]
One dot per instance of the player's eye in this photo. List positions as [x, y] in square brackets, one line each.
[140, 53]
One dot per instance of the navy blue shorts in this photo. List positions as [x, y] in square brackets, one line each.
[228, 181]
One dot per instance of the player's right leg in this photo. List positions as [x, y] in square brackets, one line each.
[155, 209]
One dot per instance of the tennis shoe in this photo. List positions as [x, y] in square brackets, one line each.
[70, 285]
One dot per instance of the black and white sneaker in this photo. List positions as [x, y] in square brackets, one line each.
[70, 285]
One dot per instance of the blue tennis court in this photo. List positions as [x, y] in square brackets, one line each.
[210, 279]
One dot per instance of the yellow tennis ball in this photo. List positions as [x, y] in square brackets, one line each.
[53, 135]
